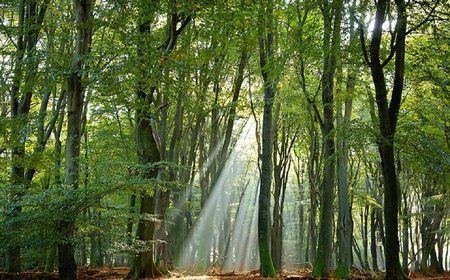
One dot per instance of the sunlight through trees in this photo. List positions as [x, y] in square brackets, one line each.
[216, 137]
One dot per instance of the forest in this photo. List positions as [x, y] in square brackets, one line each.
[225, 136]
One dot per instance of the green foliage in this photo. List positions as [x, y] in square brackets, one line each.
[204, 62]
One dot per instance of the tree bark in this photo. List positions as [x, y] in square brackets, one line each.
[433, 215]
[322, 265]
[52, 251]
[373, 240]
[75, 104]
[345, 222]
[387, 117]
[266, 54]
[147, 139]
[30, 19]
[405, 231]
[285, 135]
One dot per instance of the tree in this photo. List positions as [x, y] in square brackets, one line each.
[30, 20]
[345, 223]
[428, 124]
[75, 105]
[331, 43]
[266, 60]
[388, 116]
[147, 140]
[308, 55]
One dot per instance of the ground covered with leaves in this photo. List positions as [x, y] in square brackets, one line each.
[117, 273]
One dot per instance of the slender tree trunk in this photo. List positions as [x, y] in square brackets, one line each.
[357, 250]
[299, 174]
[284, 138]
[131, 212]
[345, 222]
[82, 248]
[373, 240]
[266, 54]
[313, 177]
[162, 196]
[75, 100]
[276, 243]
[52, 251]
[147, 138]
[388, 116]
[405, 232]
[237, 84]
[365, 232]
[322, 264]
[30, 19]
[430, 224]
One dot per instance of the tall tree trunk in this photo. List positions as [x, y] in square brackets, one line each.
[52, 251]
[314, 158]
[322, 264]
[405, 231]
[345, 222]
[266, 55]
[147, 139]
[143, 265]
[313, 167]
[431, 222]
[75, 101]
[276, 242]
[284, 139]
[373, 240]
[387, 117]
[299, 174]
[30, 19]
[365, 232]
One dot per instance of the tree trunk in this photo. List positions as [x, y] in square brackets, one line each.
[143, 265]
[147, 139]
[357, 250]
[131, 212]
[30, 19]
[313, 178]
[322, 265]
[285, 136]
[162, 196]
[345, 222]
[373, 240]
[50, 259]
[265, 50]
[75, 100]
[364, 230]
[267, 268]
[431, 222]
[405, 232]
[388, 116]
[52, 251]
[299, 174]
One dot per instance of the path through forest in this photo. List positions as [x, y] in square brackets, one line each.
[117, 273]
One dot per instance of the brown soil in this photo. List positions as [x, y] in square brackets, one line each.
[118, 273]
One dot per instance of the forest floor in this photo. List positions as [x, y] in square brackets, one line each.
[118, 273]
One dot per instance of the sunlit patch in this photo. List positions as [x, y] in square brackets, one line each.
[224, 237]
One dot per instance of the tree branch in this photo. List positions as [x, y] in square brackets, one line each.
[362, 38]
